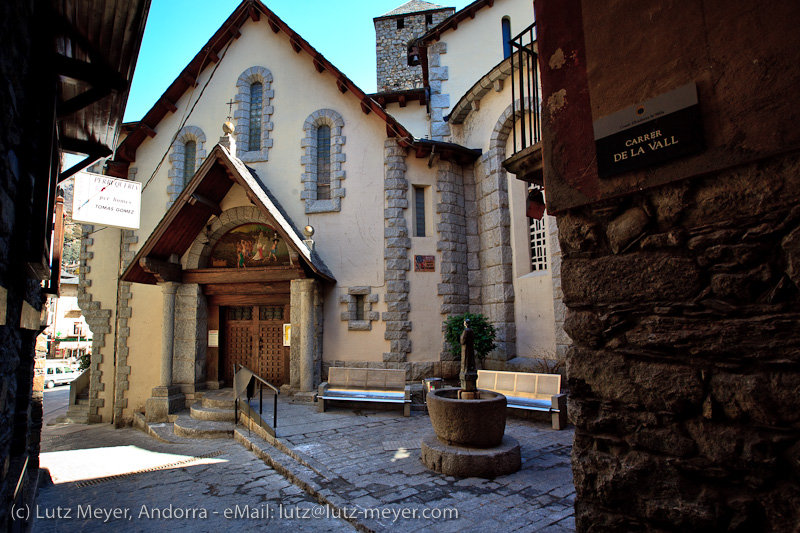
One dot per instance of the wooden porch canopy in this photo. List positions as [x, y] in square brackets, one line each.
[191, 212]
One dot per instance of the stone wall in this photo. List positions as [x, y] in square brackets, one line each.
[23, 136]
[391, 46]
[684, 375]
[396, 246]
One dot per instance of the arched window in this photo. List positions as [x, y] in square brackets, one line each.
[506, 27]
[256, 107]
[253, 116]
[189, 156]
[186, 156]
[324, 162]
[323, 159]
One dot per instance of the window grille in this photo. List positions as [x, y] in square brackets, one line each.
[538, 235]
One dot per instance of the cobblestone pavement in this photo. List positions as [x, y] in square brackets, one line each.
[364, 464]
[199, 486]
[374, 456]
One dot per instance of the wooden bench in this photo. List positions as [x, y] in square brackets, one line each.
[524, 390]
[382, 385]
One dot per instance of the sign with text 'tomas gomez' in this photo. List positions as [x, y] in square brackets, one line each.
[657, 130]
[106, 201]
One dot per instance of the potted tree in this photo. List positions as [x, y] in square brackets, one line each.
[484, 334]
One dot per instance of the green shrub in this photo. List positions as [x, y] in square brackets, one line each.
[484, 334]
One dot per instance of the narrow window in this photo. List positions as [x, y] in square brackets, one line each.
[358, 299]
[419, 211]
[506, 25]
[189, 155]
[323, 163]
[538, 235]
[256, 99]
[401, 23]
[429, 19]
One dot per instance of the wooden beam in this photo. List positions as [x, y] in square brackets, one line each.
[162, 270]
[213, 206]
[318, 65]
[273, 25]
[234, 32]
[254, 14]
[243, 275]
[246, 299]
[402, 100]
[212, 55]
[171, 107]
[295, 43]
[278, 287]
[188, 80]
[341, 85]
[147, 129]
[366, 108]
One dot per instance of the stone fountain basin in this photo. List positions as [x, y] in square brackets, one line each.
[469, 423]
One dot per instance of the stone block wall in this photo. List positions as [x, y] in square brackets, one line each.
[396, 246]
[685, 369]
[24, 136]
[391, 46]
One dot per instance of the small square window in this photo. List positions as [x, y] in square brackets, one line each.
[401, 23]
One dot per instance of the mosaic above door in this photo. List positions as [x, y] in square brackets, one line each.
[250, 245]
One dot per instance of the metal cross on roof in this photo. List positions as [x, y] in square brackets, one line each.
[230, 107]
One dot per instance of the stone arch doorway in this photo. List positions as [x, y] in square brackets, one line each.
[246, 309]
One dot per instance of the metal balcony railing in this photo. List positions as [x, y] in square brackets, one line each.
[525, 96]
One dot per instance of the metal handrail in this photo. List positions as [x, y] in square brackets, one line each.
[260, 397]
[528, 88]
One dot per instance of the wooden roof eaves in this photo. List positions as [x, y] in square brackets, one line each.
[451, 22]
[135, 273]
[127, 149]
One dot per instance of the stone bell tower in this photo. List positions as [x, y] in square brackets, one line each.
[393, 33]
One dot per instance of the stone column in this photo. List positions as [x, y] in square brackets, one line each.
[307, 338]
[166, 398]
[167, 332]
[305, 352]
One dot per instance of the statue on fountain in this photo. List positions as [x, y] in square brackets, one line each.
[469, 373]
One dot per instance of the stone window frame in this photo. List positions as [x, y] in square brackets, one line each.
[176, 158]
[370, 316]
[334, 120]
[241, 116]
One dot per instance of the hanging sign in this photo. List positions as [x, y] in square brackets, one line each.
[106, 201]
[660, 129]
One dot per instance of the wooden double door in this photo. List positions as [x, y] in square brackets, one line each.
[253, 337]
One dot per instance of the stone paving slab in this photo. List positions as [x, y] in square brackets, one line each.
[344, 468]
[358, 450]
[230, 489]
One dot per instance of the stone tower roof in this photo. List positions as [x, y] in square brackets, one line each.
[414, 6]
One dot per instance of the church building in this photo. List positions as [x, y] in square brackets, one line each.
[292, 222]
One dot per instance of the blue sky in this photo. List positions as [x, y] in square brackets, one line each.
[342, 30]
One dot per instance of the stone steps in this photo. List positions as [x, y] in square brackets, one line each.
[186, 426]
[199, 411]
[218, 399]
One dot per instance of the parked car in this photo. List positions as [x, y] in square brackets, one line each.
[58, 372]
